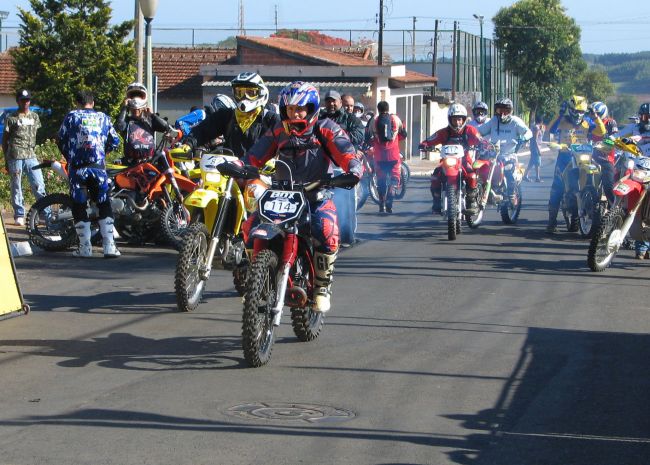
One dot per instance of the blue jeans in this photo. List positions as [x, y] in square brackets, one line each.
[16, 169]
[641, 247]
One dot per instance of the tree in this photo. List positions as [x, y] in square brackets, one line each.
[312, 37]
[595, 85]
[622, 107]
[67, 45]
[540, 44]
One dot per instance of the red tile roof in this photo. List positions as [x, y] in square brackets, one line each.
[412, 78]
[8, 75]
[177, 68]
[311, 54]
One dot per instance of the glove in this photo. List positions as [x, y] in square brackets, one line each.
[422, 147]
[564, 107]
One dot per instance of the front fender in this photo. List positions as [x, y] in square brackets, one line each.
[626, 186]
[265, 231]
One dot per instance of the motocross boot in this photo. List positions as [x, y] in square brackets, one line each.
[323, 281]
[471, 205]
[551, 227]
[106, 228]
[85, 248]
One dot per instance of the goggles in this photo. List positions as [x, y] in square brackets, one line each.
[250, 93]
[503, 110]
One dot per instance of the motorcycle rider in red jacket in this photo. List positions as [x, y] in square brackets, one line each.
[457, 132]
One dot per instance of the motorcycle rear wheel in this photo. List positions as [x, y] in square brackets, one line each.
[188, 284]
[307, 323]
[510, 212]
[452, 212]
[474, 221]
[373, 190]
[601, 248]
[49, 231]
[258, 331]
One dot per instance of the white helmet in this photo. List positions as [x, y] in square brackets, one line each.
[136, 103]
[249, 91]
[222, 101]
[136, 89]
[456, 109]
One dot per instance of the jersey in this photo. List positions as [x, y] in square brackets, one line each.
[86, 136]
[509, 134]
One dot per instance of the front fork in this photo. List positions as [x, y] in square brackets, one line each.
[289, 253]
[217, 229]
[627, 223]
[488, 186]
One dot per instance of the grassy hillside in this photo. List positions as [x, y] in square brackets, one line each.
[630, 72]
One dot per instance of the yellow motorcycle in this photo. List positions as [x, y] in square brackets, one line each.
[218, 209]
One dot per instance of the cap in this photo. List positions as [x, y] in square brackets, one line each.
[23, 94]
[332, 94]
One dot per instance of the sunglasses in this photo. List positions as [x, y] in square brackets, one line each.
[251, 93]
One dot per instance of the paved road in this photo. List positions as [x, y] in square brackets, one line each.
[499, 348]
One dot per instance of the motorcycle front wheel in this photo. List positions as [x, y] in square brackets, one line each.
[511, 207]
[405, 175]
[192, 256]
[258, 332]
[373, 190]
[605, 241]
[590, 214]
[174, 222]
[452, 212]
[50, 224]
[307, 323]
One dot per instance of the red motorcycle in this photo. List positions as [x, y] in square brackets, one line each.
[453, 200]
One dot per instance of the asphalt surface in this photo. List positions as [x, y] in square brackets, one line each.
[498, 348]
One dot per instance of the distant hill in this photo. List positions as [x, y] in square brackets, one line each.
[630, 72]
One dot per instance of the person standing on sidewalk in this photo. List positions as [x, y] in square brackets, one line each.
[18, 144]
[535, 161]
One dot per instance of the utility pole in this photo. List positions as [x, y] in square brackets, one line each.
[413, 41]
[242, 31]
[453, 63]
[137, 36]
[482, 58]
[435, 55]
[276, 18]
[380, 58]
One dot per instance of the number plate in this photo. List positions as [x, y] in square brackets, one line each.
[281, 206]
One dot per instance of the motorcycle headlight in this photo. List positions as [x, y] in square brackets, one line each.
[450, 161]
[584, 158]
[642, 176]
[213, 177]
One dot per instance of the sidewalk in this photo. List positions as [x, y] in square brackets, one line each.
[423, 168]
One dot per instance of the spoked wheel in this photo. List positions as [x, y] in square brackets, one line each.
[473, 221]
[174, 221]
[606, 240]
[452, 212]
[405, 175]
[50, 223]
[590, 214]
[373, 190]
[190, 281]
[258, 331]
[361, 192]
[511, 207]
[307, 323]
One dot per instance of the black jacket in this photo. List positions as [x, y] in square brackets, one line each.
[223, 123]
[350, 124]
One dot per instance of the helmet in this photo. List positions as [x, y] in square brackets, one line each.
[503, 104]
[359, 108]
[577, 108]
[136, 103]
[600, 109]
[249, 91]
[303, 94]
[644, 116]
[136, 89]
[456, 109]
[480, 111]
[222, 101]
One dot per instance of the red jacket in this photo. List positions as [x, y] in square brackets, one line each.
[468, 137]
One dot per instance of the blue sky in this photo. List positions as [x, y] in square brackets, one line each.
[607, 27]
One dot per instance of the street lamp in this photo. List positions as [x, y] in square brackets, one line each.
[482, 58]
[148, 8]
[3, 16]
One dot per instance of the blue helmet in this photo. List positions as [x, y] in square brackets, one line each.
[304, 95]
[600, 109]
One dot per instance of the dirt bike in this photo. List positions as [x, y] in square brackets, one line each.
[367, 187]
[282, 270]
[218, 209]
[146, 199]
[493, 185]
[630, 213]
[453, 199]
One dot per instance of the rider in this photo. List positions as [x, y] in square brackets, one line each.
[309, 146]
[84, 139]
[510, 131]
[244, 125]
[457, 132]
[640, 134]
[570, 127]
[604, 157]
[139, 126]
[186, 122]
[479, 113]
[385, 133]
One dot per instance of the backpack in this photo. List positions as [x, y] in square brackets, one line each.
[384, 127]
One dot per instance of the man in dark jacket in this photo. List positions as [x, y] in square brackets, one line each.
[244, 125]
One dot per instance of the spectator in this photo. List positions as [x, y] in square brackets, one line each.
[18, 144]
[535, 161]
[348, 103]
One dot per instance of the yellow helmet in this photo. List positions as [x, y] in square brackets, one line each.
[577, 108]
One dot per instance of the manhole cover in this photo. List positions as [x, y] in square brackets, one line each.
[281, 411]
